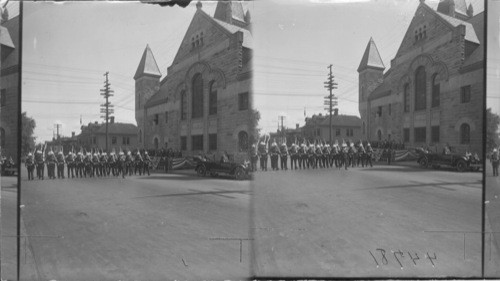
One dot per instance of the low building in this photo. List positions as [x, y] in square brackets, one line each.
[344, 127]
[120, 136]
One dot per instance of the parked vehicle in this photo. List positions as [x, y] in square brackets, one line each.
[459, 161]
[206, 166]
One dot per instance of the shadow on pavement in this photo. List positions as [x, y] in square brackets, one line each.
[435, 184]
[222, 193]
[186, 177]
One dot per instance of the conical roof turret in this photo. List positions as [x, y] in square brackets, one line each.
[147, 65]
[371, 58]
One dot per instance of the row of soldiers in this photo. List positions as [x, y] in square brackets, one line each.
[87, 164]
[310, 155]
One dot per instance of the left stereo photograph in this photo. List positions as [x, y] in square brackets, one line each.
[9, 136]
[141, 120]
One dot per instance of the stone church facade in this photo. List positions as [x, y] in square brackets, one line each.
[203, 104]
[9, 85]
[433, 93]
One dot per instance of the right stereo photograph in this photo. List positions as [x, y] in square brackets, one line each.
[370, 152]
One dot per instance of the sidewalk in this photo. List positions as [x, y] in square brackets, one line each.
[8, 224]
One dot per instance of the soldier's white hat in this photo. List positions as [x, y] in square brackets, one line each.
[51, 152]
[145, 153]
[39, 151]
[129, 153]
[274, 144]
[121, 153]
[368, 144]
[60, 153]
[494, 150]
[29, 154]
[69, 153]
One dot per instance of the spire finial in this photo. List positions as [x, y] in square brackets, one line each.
[199, 5]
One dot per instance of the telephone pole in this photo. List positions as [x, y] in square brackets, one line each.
[330, 100]
[107, 107]
[281, 118]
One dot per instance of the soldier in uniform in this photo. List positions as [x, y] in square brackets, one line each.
[87, 163]
[112, 164]
[70, 160]
[30, 166]
[254, 158]
[128, 163]
[40, 166]
[274, 151]
[318, 152]
[494, 162]
[344, 156]
[95, 165]
[369, 154]
[138, 161]
[51, 165]
[361, 154]
[103, 164]
[79, 166]
[302, 155]
[351, 152]
[122, 166]
[60, 165]
[146, 163]
[263, 153]
[284, 156]
[294, 156]
[326, 155]
[334, 153]
[311, 156]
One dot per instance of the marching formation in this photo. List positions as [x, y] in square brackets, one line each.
[95, 163]
[310, 155]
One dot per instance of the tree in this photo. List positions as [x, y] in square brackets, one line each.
[27, 139]
[493, 121]
[254, 123]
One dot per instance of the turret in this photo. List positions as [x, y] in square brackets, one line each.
[371, 73]
[147, 83]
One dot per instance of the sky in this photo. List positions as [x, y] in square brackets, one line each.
[493, 57]
[295, 41]
[69, 46]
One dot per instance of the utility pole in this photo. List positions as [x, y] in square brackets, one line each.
[330, 100]
[107, 107]
[57, 125]
[281, 118]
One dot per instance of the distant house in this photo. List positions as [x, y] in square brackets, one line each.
[120, 136]
[344, 127]
[9, 85]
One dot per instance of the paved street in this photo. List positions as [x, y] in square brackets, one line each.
[381, 221]
[492, 239]
[171, 226]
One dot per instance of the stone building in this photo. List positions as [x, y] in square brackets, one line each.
[120, 136]
[203, 104]
[9, 85]
[344, 127]
[433, 92]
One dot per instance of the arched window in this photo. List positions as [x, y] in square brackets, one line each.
[2, 138]
[156, 143]
[420, 89]
[406, 97]
[140, 136]
[379, 135]
[243, 141]
[435, 91]
[212, 98]
[465, 133]
[183, 105]
[197, 103]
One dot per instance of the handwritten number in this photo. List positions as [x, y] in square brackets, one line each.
[374, 258]
[414, 259]
[431, 258]
[384, 259]
[402, 255]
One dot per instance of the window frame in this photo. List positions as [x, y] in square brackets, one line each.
[243, 101]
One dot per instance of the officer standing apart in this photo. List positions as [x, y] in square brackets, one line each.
[494, 162]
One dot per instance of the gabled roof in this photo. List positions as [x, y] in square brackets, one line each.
[247, 35]
[371, 57]
[148, 65]
[342, 120]
[470, 33]
[478, 55]
[158, 98]
[118, 129]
